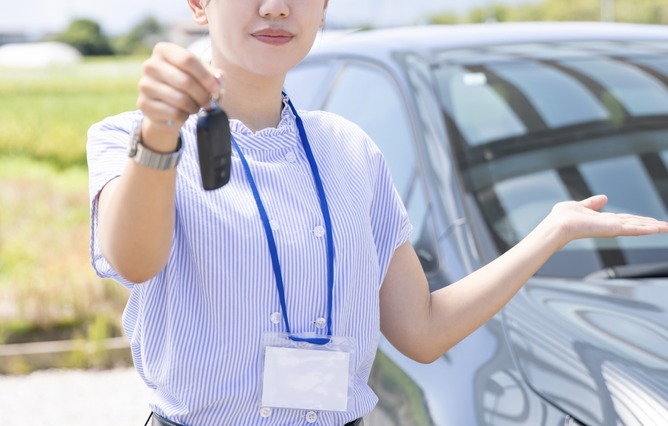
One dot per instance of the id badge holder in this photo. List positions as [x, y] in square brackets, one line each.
[305, 376]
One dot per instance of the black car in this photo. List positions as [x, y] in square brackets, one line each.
[485, 127]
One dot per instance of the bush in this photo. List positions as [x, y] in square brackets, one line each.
[86, 36]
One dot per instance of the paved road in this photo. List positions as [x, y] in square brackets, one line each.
[85, 398]
[74, 398]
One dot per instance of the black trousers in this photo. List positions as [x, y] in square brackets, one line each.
[157, 420]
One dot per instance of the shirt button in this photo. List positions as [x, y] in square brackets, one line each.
[321, 323]
[319, 231]
[265, 412]
[311, 417]
[274, 225]
[276, 317]
[290, 157]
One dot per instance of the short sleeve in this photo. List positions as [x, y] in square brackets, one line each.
[390, 223]
[107, 156]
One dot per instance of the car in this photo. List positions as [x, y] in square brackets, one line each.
[485, 127]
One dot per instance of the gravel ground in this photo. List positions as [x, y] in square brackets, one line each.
[74, 398]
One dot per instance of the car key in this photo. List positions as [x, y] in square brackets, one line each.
[214, 147]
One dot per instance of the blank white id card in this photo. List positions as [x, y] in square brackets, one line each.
[306, 379]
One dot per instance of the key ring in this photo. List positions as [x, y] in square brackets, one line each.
[217, 96]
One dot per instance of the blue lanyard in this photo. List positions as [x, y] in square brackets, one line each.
[270, 234]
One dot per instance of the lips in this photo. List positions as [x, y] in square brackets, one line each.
[273, 36]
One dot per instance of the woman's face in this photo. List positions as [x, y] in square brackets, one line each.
[262, 37]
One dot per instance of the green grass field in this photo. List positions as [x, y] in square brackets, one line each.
[44, 114]
[45, 275]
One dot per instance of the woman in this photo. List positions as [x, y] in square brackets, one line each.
[261, 303]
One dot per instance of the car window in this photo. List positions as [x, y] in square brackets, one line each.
[604, 177]
[526, 200]
[417, 207]
[658, 65]
[481, 112]
[442, 240]
[638, 92]
[368, 96]
[559, 99]
[380, 113]
[509, 99]
[530, 132]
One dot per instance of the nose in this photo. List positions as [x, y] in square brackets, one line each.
[274, 9]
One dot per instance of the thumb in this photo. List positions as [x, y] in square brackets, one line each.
[220, 76]
[595, 202]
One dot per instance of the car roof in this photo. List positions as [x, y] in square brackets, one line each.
[429, 38]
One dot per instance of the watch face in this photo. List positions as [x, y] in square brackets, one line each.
[135, 137]
[132, 149]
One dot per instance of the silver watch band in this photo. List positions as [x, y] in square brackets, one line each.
[149, 158]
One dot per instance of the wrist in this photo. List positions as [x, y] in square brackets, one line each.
[552, 232]
[151, 157]
[159, 138]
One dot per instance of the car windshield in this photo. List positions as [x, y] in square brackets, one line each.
[535, 124]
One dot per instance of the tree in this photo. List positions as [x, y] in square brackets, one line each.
[447, 18]
[639, 11]
[492, 13]
[86, 36]
[141, 38]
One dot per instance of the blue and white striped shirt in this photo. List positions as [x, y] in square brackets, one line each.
[195, 329]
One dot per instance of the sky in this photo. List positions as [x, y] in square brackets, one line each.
[36, 17]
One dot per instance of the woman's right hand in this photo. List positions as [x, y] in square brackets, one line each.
[174, 84]
[136, 210]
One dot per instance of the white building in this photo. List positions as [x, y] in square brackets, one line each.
[33, 55]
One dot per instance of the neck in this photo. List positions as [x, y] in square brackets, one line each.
[257, 103]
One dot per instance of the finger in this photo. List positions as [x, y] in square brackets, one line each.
[642, 220]
[156, 91]
[595, 202]
[219, 76]
[636, 229]
[200, 76]
[641, 225]
[161, 113]
[170, 84]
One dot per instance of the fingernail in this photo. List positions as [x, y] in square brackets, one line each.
[219, 93]
[219, 77]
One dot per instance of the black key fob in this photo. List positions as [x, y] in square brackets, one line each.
[214, 148]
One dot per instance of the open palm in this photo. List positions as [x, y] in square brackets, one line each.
[583, 219]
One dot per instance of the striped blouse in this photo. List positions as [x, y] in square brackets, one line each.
[195, 329]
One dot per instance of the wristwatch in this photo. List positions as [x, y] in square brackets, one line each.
[149, 158]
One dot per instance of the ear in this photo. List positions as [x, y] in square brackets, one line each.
[197, 9]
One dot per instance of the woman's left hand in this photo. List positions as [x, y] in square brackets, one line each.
[583, 219]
